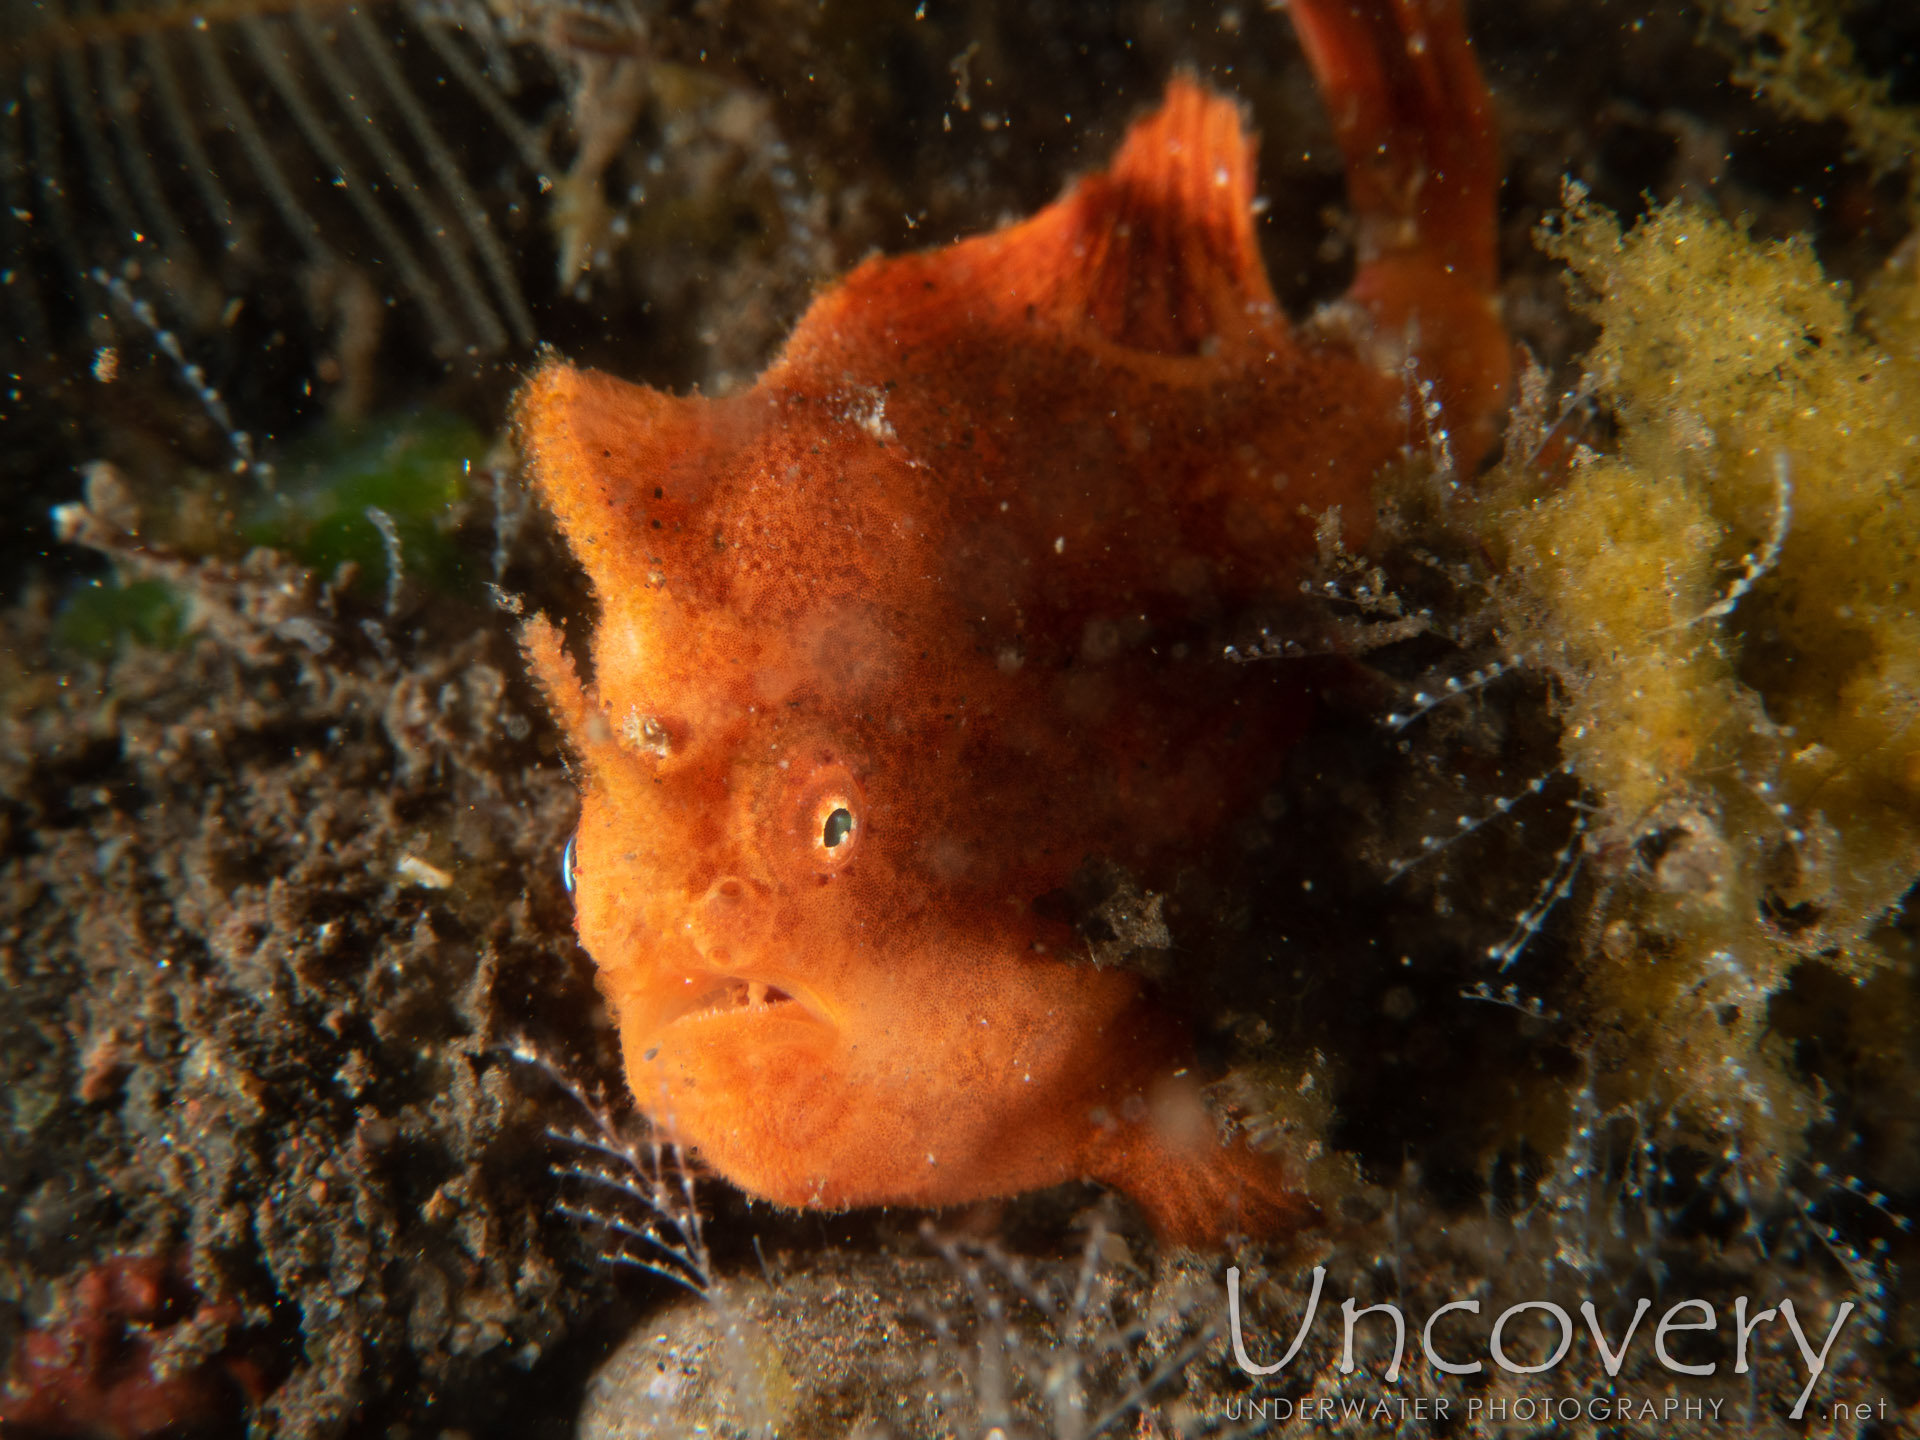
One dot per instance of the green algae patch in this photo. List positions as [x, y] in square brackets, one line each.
[1726, 603]
[411, 469]
[99, 618]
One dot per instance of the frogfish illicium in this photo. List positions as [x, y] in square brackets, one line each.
[894, 644]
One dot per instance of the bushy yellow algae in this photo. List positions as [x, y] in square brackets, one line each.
[1726, 601]
[1797, 54]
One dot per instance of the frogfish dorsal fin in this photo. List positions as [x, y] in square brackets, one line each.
[1170, 259]
[1156, 253]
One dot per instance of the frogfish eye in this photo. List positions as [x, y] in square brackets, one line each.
[833, 824]
[838, 827]
[823, 819]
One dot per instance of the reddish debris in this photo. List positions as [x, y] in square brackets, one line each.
[96, 1368]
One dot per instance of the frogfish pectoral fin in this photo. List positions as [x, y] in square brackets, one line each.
[1200, 1192]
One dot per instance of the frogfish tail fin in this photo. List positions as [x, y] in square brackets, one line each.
[1415, 124]
[1423, 175]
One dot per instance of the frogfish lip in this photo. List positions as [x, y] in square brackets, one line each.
[696, 996]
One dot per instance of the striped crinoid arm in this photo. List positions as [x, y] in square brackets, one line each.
[223, 147]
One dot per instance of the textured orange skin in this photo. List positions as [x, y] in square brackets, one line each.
[956, 565]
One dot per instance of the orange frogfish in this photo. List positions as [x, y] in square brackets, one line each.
[895, 643]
